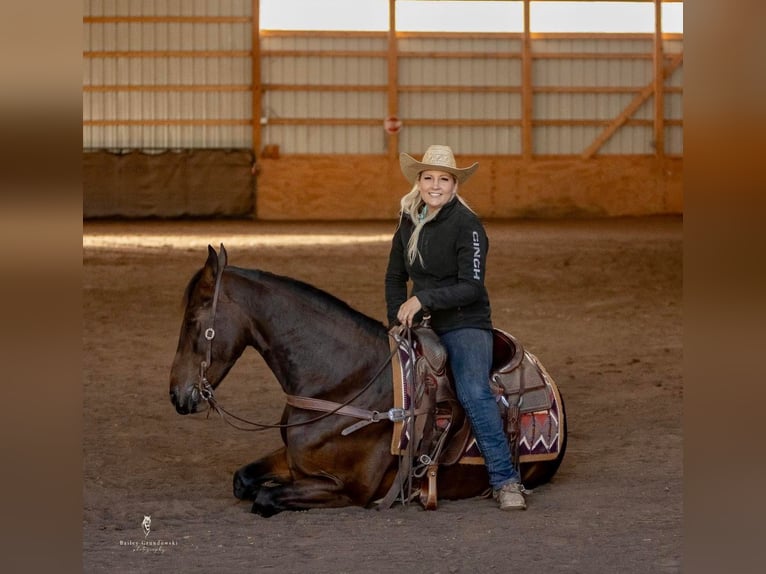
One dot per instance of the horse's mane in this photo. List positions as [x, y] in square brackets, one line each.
[318, 297]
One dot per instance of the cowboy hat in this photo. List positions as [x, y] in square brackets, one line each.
[438, 158]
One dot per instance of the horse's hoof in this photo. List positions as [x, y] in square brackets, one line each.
[243, 489]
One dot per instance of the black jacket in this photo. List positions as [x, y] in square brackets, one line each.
[450, 282]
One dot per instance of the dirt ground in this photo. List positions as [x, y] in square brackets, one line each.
[598, 302]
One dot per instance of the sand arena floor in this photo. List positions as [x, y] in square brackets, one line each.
[599, 303]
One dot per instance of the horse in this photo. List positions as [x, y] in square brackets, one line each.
[319, 347]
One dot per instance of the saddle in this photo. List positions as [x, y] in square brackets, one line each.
[438, 433]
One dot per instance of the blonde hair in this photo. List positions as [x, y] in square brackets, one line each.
[411, 206]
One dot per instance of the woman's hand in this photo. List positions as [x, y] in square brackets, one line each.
[408, 310]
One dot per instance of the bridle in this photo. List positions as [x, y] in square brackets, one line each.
[205, 390]
[203, 386]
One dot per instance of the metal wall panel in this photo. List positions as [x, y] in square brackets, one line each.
[568, 140]
[592, 45]
[319, 71]
[325, 70]
[313, 139]
[129, 88]
[136, 82]
[463, 139]
[483, 45]
[674, 140]
[166, 7]
[592, 73]
[324, 43]
[500, 67]
[583, 72]
[323, 105]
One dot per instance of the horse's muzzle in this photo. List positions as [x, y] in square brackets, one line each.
[185, 403]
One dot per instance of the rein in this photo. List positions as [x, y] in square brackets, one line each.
[205, 389]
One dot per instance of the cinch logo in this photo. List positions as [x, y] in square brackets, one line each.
[476, 256]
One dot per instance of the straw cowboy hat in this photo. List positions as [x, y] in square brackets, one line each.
[438, 158]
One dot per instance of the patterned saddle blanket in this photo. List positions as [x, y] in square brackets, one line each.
[527, 397]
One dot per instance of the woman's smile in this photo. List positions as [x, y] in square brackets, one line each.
[437, 188]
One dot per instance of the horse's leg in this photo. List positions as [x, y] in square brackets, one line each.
[251, 477]
[324, 491]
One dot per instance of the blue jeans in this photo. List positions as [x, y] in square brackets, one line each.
[470, 357]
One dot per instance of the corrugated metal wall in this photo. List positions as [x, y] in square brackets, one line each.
[176, 74]
[186, 83]
[480, 85]
[313, 83]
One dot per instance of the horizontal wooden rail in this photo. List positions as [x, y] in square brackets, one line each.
[592, 55]
[324, 88]
[648, 36]
[326, 121]
[168, 88]
[462, 122]
[460, 55]
[597, 89]
[166, 20]
[324, 53]
[457, 122]
[169, 122]
[167, 54]
[362, 54]
[367, 54]
[478, 89]
[106, 88]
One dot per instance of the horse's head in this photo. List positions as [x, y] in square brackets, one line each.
[211, 339]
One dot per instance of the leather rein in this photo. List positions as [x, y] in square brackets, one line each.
[328, 408]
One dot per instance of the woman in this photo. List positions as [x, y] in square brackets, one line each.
[441, 246]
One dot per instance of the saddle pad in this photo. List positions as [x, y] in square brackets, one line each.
[540, 436]
[540, 433]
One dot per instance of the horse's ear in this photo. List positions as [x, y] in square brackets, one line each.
[212, 260]
[223, 257]
[209, 272]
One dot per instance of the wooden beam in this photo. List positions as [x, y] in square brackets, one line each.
[169, 122]
[166, 20]
[631, 108]
[324, 88]
[431, 55]
[462, 89]
[167, 54]
[527, 94]
[589, 122]
[281, 121]
[465, 122]
[167, 88]
[449, 122]
[659, 83]
[392, 140]
[324, 53]
[255, 73]
[384, 88]
[592, 56]
[594, 90]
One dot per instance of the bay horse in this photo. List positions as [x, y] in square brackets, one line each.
[317, 346]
